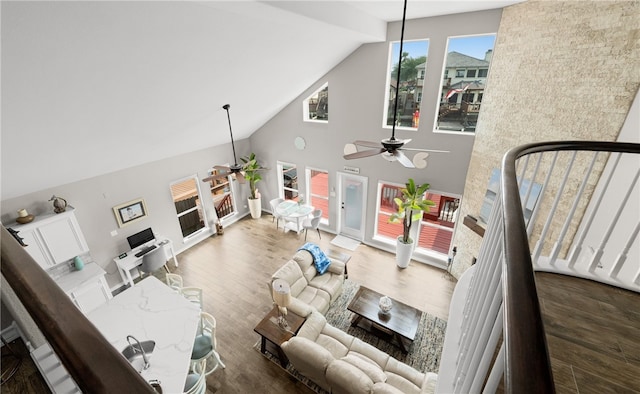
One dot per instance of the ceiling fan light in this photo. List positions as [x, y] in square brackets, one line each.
[388, 156]
[420, 160]
[349, 149]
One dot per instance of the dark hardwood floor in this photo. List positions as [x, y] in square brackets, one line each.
[593, 330]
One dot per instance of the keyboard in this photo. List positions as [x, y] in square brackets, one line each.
[145, 250]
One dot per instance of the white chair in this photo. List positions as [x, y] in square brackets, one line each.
[196, 382]
[205, 346]
[274, 205]
[193, 294]
[174, 281]
[312, 223]
[152, 261]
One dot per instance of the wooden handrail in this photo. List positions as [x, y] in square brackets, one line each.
[95, 365]
[527, 365]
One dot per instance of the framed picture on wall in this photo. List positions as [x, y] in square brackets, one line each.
[130, 211]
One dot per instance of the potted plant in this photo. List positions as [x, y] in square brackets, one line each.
[251, 169]
[410, 208]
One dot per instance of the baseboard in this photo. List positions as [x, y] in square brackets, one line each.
[11, 333]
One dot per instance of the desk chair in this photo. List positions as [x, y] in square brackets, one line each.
[274, 204]
[205, 346]
[152, 261]
[312, 223]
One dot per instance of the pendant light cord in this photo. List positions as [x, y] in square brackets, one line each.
[395, 107]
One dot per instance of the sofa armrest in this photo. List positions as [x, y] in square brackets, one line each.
[347, 378]
[300, 308]
[429, 384]
[336, 267]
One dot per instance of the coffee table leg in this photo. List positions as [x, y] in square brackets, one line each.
[355, 320]
[284, 360]
[401, 343]
[263, 345]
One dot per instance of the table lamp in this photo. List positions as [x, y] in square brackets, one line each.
[282, 298]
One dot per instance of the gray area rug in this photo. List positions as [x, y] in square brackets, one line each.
[424, 353]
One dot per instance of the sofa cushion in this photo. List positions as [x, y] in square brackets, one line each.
[333, 345]
[402, 383]
[347, 378]
[317, 298]
[385, 388]
[371, 370]
[369, 352]
[309, 358]
[313, 326]
[331, 283]
[305, 263]
[338, 334]
[291, 273]
[403, 370]
[429, 384]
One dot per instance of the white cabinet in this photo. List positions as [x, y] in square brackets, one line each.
[53, 239]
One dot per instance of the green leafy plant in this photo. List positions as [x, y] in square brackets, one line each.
[251, 169]
[410, 207]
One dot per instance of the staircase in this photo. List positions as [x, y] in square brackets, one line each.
[569, 208]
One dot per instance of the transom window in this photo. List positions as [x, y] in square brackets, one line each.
[461, 96]
[413, 68]
[316, 107]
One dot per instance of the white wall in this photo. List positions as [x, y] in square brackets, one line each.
[94, 199]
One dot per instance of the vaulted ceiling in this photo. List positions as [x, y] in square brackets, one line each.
[89, 88]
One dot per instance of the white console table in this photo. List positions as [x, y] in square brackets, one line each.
[126, 264]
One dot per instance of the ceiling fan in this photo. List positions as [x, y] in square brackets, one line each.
[235, 168]
[391, 149]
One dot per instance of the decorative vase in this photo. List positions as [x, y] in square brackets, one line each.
[403, 253]
[255, 207]
[77, 261]
[385, 304]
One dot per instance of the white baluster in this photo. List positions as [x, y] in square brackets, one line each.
[534, 214]
[622, 257]
[595, 259]
[560, 241]
[577, 248]
[497, 372]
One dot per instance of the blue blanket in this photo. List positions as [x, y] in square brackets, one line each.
[320, 260]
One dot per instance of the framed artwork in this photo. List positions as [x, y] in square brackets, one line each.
[130, 211]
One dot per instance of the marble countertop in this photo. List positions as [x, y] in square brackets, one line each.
[74, 279]
[150, 310]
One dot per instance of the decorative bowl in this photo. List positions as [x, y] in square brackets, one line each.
[385, 304]
[25, 219]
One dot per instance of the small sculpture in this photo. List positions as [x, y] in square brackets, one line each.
[385, 304]
[59, 204]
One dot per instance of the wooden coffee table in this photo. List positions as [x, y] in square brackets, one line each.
[273, 336]
[400, 323]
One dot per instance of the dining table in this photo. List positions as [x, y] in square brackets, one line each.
[293, 214]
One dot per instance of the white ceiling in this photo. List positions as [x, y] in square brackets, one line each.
[90, 88]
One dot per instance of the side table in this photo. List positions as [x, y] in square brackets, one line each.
[336, 255]
[273, 336]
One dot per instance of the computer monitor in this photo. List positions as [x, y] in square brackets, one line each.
[140, 238]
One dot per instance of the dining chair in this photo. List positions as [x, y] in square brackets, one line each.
[193, 294]
[152, 261]
[174, 281]
[196, 382]
[205, 345]
[312, 223]
[274, 210]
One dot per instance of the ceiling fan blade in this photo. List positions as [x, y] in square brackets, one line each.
[364, 153]
[240, 177]
[426, 150]
[214, 177]
[368, 144]
[222, 168]
[404, 160]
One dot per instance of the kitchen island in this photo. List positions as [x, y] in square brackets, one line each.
[150, 310]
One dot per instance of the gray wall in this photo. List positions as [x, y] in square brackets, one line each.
[94, 199]
[356, 105]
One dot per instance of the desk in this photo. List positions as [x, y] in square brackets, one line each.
[125, 265]
[150, 310]
[290, 209]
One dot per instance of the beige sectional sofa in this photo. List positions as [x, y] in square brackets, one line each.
[341, 363]
[308, 288]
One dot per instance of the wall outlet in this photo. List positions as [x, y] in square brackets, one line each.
[114, 233]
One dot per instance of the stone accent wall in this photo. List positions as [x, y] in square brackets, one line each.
[561, 70]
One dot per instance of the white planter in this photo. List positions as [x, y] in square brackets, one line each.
[255, 207]
[403, 253]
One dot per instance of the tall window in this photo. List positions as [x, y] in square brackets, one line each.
[222, 194]
[186, 199]
[316, 106]
[414, 64]
[468, 58]
[318, 191]
[288, 181]
[435, 228]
